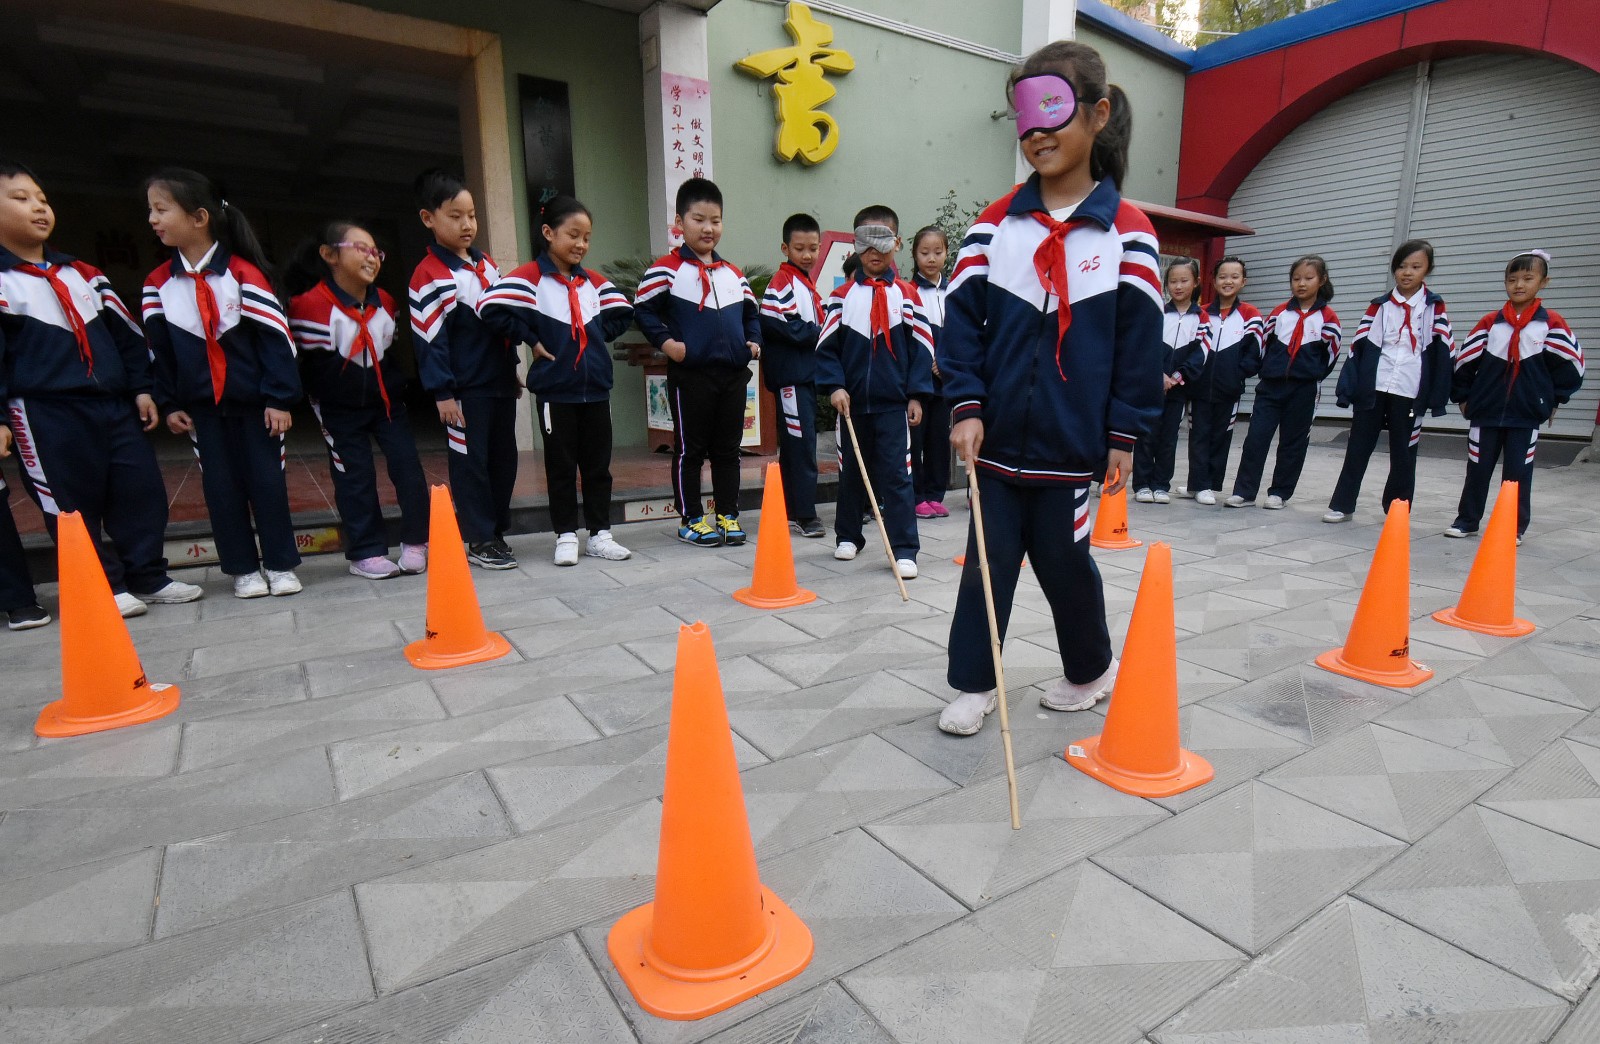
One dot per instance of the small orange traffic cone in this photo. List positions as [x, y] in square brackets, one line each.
[714, 936]
[1138, 752]
[1489, 600]
[103, 685]
[1378, 648]
[453, 635]
[773, 586]
[1111, 523]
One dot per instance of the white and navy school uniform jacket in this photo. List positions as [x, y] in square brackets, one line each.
[1051, 405]
[252, 330]
[1232, 346]
[882, 373]
[337, 365]
[41, 355]
[1402, 347]
[533, 305]
[1301, 345]
[458, 356]
[1508, 381]
[709, 307]
[791, 322]
[1183, 338]
[932, 296]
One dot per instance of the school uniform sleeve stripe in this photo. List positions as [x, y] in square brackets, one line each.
[1137, 272]
[512, 293]
[1563, 343]
[972, 265]
[150, 303]
[656, 281]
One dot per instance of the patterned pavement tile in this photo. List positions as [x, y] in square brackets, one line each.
[826, 619]
[732, 638]
[523, 613]
[379, 668]
[849, 655]
[1307, 704]
[1354, 974]
[616, 706]
[1250, 650]
[1480, 719]
[824, 1016]
[58, 769]
[806, 719]
[1583, 1027]
[354, 636]
[1237, 751]
[1548, 669]
[65, 916]
[1282, 590]
[1558, 790]
[515, 684]
[1250, 863]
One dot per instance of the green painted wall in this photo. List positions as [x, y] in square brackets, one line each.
[1155, 89]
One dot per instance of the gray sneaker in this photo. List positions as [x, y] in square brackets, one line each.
[964, 716]
[1065, 696]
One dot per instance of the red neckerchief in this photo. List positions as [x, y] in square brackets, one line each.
[479, 268]
[705, 277]
[205, 302]
[363, 343]
[1299, 331]
[80, 330]
[1411, 332]
[805, 281]
[880, 314]
[1050, 264]
[1518, 324]
[580, 332]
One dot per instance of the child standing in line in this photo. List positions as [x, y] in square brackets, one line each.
[930, 440]
[698, 311]
[1302, 347]
[75, 381]
[567, 315]
[875, 361]
[791, 321]
[344, 326]
[1511, 373]
[1231, 342]
[1398, 370]
[1183, 327]
[470, 370]
[1053, 365]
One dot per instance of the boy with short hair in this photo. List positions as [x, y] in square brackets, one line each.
[791, 321]
[698, 311]
[875, 359]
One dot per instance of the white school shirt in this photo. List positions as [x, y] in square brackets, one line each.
[1400, 364]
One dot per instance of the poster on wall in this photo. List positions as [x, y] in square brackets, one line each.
[686, 134]
[752, 408]
[827, 273]
[546, 140]
[657, 412]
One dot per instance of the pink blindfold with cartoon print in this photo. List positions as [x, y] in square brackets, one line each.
[1044, 103]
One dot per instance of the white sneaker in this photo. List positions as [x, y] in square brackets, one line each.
[845, 552]
[567, 549]
[251, 585]
[1336, 516]
[283, 582]
[1065, 696]
[1161, 496]
[966, 712]
[603, 545]
[1145, 496]
[174, 593]
[1274, 502]
[1457, 533]
[375, 568]
[131, 605]
[906, 568]
[1182, 493]
[1206, 497]
[1235, 501]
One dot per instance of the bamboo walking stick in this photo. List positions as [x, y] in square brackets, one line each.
[994, 645]
[872, 498]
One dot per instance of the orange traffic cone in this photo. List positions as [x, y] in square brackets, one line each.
[714, 935]
[773, 586]
[1111, 523]
[1138, 752]
[1489, 600]
[1378, 648]
[103, 685]
[453, 635]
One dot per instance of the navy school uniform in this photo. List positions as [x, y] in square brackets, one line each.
[16, 582]
[573, 317]
[930, 440]
[223, 353]
[1182, 335]
[877, 345]
[1057, 385]
[459, 357]
[1510, 374]
[791, 322]
[711, 309]
[1231, 347]
[1302, 348]
[1398, 371]
[72, 361]
[355, 392]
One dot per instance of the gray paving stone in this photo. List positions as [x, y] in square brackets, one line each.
[65, 916]
[1237, 751]
[731, 638]
[806, 719]
[1035, 734]
[1355, 974]
[1251, 863]
[864, 612]
[617, 706]
[510, 615]
[1480, 719]
[1250, 650]
[826, 1015]
[57, 769]
[1583, 1026]
[1558, 790]
[1282, 590]
[1307, 704]
[1550, 670]
[356, 635]
[515, 683]
[380, 668]
[850, 655]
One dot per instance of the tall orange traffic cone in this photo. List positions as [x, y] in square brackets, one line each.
[1378, 648]
[103, 685]
[1138, 752]
[1111, 523]
[1489, 600]
[453, 635]
[773, 586]
[714, 935]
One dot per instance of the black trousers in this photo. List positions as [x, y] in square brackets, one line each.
[1283, 408]
[16, 582]
[886, 447]
[708, 419]
[1155, 457]
[797, 449]
[930, 452]
[241, 471]
[89, 455]
[1210, 438]
[350, 434]
[1398, 414]
[483, 466]
[577, 440]
[1050, 525]
[1484, 444]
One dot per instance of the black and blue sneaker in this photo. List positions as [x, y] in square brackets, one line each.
[732, 532]
[701, 532]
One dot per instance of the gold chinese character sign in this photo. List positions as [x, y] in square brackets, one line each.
[804, 130]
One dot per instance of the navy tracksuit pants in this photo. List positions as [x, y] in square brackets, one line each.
[89, 455]
[1484, 444]
[1050, 525]
[1210, 438]
[930, 452]
[483, 466]
[707, 404]
[1400, 415]
[1155, 458]
[1283, 407]
[577, 440]
[886, 447]
[241, 471]
[797, 449]
[16, 583]
[350, 433]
